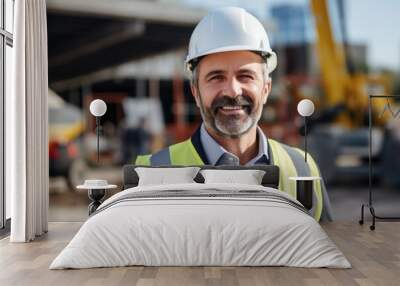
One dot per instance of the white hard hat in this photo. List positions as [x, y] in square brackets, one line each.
[229, 29]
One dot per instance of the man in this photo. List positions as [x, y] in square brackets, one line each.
[230, 60]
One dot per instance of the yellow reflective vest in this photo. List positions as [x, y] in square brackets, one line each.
[290, 161]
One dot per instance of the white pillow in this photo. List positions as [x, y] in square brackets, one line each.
[249, 177]
[162, 176]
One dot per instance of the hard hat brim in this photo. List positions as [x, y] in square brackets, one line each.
[269, 54]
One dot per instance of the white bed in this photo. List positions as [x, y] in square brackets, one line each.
[200, 224]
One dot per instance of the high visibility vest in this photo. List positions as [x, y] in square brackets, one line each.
[290, 161]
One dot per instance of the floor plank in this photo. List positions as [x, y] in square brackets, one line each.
[375, 257]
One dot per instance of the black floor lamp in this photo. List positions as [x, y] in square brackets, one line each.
[98, 108]
[305, 108]
[304, 184]
[96, 188]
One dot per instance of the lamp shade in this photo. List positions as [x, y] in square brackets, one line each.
[305, 107]
[98, 107]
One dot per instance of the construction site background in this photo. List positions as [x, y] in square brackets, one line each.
[131, 54]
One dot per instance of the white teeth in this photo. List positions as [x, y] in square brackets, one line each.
[231, 107]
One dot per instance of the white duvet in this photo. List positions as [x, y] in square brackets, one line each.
[224, 225]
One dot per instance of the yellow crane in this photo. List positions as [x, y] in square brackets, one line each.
[345, 152]
[340, 86]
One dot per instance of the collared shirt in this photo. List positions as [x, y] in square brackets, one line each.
[217, 155]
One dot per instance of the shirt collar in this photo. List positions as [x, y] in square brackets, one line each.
[214, 151]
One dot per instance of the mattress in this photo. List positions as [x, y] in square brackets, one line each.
[200, 225]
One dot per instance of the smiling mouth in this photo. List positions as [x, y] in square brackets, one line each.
[234, 109]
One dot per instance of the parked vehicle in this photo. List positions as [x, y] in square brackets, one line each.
[66, 125]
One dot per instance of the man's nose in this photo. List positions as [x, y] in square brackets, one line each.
[233, 87]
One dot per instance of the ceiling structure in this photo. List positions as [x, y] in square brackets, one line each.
[85, 37]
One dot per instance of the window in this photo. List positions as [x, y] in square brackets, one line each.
[6, 43]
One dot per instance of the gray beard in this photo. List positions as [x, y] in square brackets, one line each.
[232, 128]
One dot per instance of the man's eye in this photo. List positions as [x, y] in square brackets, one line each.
[246, 76]
[216, 77]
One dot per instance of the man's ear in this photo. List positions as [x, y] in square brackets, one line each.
[195, 94]
[267, 90]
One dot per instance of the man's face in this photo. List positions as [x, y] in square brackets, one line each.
[231, 91]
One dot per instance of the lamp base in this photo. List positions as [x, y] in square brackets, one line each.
[304, 191]
[95, 195]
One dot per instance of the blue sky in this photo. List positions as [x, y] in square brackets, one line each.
[375, 23]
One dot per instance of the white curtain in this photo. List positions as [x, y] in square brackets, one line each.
[27, 124]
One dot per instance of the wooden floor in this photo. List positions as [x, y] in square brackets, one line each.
[375, 256]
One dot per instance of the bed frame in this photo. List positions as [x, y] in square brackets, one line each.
[270, 179]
